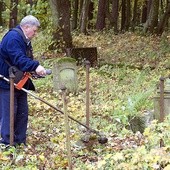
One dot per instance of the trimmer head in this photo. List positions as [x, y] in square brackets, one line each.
[89, 136]
[102, 139]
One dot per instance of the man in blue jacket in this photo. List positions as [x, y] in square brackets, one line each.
[16, 50]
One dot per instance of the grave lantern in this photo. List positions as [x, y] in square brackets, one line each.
[162, 100]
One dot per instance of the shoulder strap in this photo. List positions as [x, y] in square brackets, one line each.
[22, 34]
[25, 40]
[28, 42]
[7, 62]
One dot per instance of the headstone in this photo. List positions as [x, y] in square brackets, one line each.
[65, 73]
[83, 53]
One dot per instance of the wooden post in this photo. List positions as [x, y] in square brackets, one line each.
[67, 128]
[161, 101]
[87, 94]
[12, 76]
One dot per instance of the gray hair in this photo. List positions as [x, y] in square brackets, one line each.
[30, 20]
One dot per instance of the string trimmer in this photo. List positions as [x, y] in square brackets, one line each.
[101, 138]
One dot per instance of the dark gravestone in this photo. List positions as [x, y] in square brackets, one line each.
[82, 54]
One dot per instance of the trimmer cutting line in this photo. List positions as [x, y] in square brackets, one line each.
[101, 139]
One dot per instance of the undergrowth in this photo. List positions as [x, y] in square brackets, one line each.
[122, 88]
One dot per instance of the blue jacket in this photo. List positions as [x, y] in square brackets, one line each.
[13, 48]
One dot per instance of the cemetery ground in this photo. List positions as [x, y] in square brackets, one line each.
[122, 90]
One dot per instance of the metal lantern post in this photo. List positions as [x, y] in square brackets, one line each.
[67, 128]
[11, 80]
[87, 94]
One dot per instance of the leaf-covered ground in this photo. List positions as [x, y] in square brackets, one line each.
[122, 87]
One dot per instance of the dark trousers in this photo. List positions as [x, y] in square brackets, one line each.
[20, 116]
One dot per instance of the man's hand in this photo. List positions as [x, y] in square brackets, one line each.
[40, 70]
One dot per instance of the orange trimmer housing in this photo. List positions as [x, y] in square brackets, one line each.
[22, 82]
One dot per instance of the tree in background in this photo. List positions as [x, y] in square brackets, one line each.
[84, 16]
[164, 19]
[135, 19]
[13, 13]
[30, 2]
[101, 15]
[152, 20]
[61, 24]
[144, 12]
[123, 16]
[126, 15]
[115, 14]
[90, 15]
[75, 5]
[1, 10]
[149, 16]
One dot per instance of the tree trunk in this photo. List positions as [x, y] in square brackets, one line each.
[152, 21]
[109, 15]
[80, 12]
[162, 6]
[101, 15]
[123, 17]
[144, 12]
[149, 4]
[13, 13]
[115, 14]
[164, 19]
[84, 16]
[30, 2]
[1, 10]
[61, 24]
[134, 19]
[90, 14]
[75, 14]
[128, 15]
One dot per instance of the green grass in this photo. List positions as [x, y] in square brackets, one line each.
[119, 92]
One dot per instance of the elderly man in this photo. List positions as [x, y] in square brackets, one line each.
[16, 50]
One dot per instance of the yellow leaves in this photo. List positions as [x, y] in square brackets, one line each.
[58, 138]
[118, 157]
[147, 132]
[108, 156]
[110, 88]
[167, 167]
[61, 161]
[34, 168]
[72, 109]
[3, 157]
[42, 157]
[101, 164]
[111, 158]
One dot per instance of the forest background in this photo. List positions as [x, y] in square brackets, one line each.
[132, 40]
